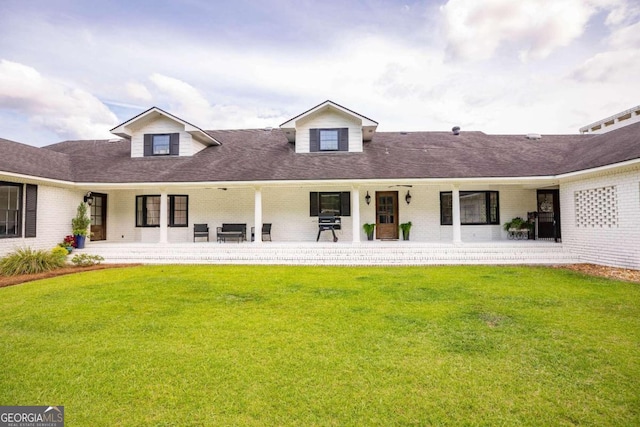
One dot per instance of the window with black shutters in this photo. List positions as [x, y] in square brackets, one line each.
[163, 144]
[336, 203]
[328, 140]
[10, 209]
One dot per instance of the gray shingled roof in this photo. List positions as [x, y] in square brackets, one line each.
[265, 155]
[25, 159]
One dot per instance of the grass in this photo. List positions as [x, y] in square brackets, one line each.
[292, 346]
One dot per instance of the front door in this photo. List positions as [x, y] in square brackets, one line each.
[99, 217]
[548, 214]
[387, 214]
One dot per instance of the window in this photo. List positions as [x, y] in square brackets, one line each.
[476, 208]
[178, 211]
[336, 203]
[10, 209]
[164, 144]
[148, 211]
[161, 144]
[329, 139]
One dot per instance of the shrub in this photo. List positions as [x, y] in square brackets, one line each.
[60, 252]
[29, 261]
[84, 260]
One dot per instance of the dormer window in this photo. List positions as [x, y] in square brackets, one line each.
[161, 144]
[328, 139]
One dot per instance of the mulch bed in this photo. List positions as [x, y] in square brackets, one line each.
[589, 269]
[625, 274]
[15, 280]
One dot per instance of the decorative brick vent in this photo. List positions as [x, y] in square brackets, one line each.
[597, 207]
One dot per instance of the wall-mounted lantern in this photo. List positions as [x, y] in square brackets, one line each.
[88, 198]
[407, 198]
[367, 198]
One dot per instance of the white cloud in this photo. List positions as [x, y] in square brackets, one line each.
[138, 92]
[67, 111]
[187, 102]
[475, 30]
[620, 63]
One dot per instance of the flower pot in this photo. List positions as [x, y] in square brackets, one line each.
[405, 234]
[80, 241]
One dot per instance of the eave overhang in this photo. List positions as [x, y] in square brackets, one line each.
[368, 126]
[125, 130]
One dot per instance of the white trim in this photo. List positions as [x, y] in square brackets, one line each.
[600, 169]
[365, 120]
[123, 131]
[547, 180]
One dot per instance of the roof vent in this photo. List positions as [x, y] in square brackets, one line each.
[269, 129]
[113, 140]
[404, 132]
[534, 136]
[456, 130]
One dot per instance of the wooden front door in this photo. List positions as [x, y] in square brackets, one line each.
[387, 215]
[549, 214]
[99, 217]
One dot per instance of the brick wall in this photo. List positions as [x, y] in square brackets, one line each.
[56, 207]
[601, 218]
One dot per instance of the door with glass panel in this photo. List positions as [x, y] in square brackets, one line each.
[387, 215]
[99, 217]
[549, 214]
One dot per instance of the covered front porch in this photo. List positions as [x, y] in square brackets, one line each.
[340, 253]
[441, 212]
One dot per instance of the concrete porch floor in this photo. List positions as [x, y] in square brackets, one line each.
[340, 253]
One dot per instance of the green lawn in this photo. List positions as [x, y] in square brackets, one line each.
[304, 346]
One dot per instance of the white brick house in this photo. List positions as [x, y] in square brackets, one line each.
[162, 175]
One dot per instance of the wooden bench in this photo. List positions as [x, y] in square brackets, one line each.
[231, 231]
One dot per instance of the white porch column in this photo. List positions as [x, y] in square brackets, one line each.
[257, 215]
[355, 213]
[455, 205]
[164, 221]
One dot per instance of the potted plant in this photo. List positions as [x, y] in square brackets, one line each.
[368, 229]
[518, 228]
[68, 243]
[406, 228]
[80, 225]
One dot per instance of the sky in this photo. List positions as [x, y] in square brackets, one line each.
[74, 69]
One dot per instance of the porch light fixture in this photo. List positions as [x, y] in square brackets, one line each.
[367, 198]
[407, 198]
[88, 198]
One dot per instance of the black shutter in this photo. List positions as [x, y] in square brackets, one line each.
[31, 211]
[313, 203]
[345, 203]
[175, 144]
[314, 140]
[343, 139]
[148, 144]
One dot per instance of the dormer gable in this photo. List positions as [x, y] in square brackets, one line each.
[156, 133]
[329, 127]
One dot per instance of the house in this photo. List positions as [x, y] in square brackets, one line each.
[160, 175]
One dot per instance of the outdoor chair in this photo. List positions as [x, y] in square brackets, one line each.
[200, 230]
[266, 233]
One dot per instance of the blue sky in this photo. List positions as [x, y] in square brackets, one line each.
[75, 69]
